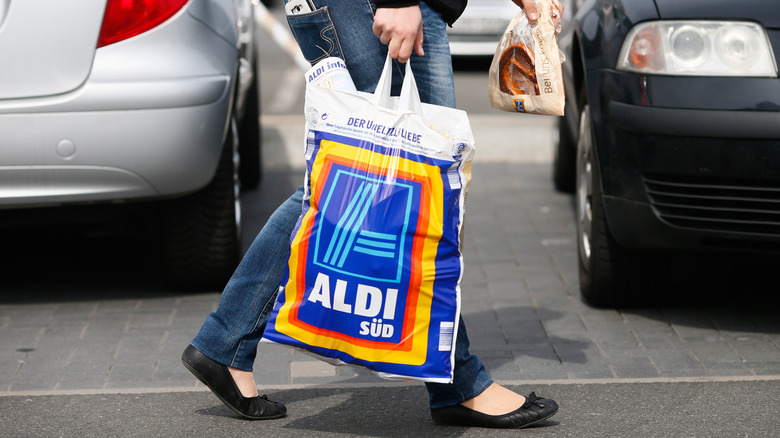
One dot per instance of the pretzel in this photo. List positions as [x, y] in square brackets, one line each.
[516, 71]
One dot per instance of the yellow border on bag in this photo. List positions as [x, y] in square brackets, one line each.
[294, 292]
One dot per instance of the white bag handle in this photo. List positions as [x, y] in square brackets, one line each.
[409, 101]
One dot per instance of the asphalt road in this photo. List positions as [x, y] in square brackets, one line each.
[727, 409]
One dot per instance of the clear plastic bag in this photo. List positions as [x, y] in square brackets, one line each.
[525, 74]
[375, 265]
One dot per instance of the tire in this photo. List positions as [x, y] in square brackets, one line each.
[249, 139]
[201, 232]
[564, 170]
[610, 276]
[602, 282]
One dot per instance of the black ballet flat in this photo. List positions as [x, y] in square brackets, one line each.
[217, 377]
[534, 410]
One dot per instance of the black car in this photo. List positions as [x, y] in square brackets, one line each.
[671, 138]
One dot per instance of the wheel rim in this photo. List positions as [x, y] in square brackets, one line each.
[236, 177]
[584, 186]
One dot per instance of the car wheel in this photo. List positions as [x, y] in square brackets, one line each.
[564, 159]
[249, 139]
[601, 281]
[202, 232]
[609, 275]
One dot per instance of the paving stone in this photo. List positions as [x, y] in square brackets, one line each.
[754, 348]
[81, 379]
[524, 332]
[503, 272]
[271, 366]
[14, 338]
[616, 350]
[533, 368]
[764, 368]
[500, 368]
[628, 367]
[675, 362]
[543, 351]
[112, 308]
[658, 336]
[317, 368]
[566, 326]
[589, 370]
[713, 352]
[129, 375]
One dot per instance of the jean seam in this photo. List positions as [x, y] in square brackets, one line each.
[334, 42]
[240, 347]
[335, 34]
[371, 7]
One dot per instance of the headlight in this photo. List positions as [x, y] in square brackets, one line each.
[698, 48]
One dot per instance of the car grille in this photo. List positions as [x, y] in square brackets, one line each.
[716, 204]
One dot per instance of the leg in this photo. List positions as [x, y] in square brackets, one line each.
[231, 333]
[222, 353]
[472, 389]
[470, 378]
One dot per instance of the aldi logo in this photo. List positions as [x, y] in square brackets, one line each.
[360, 285]
[350, 240]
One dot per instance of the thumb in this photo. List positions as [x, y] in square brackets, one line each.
[530, 9]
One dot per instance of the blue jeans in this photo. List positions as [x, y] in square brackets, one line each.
[341, 28]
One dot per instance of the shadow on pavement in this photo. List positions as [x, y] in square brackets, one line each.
[112, 256]
[721, 291]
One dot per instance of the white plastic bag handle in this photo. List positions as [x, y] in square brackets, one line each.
[409, 101]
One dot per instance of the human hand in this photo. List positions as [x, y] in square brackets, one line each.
[529, 6]
[401, 29]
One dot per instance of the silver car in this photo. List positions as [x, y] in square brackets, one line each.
[119, 101]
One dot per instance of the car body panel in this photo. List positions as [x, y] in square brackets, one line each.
[144, 154]
[755, 10]
[56, 61]
[602, 26]
[687, 138]
[147, 121]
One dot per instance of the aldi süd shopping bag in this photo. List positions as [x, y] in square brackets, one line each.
[375, 264]
[525, 74]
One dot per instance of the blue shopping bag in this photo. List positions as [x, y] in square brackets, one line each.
[375, 264]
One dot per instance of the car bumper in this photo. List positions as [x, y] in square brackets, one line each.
[113, 141]
[148, 122]
[473, 46]
[677, 178]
